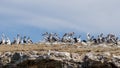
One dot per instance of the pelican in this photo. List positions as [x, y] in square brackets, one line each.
[8, 42]
[88, 36]
[3, 39]
[18, 41]
[29, 41]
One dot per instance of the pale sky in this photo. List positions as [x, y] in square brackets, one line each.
[32, 17]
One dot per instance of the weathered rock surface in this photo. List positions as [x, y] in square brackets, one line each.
[55, 59]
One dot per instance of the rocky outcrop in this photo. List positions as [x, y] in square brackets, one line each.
[55, 59]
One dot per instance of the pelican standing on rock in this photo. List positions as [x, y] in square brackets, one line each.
[88, 36]
[18, 41]
[3, 39]
[8, 42]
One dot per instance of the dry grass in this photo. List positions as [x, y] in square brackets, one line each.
[68, 48]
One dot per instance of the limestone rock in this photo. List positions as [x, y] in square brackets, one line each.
[59, 59]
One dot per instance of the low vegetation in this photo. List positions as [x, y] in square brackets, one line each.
[77, 48]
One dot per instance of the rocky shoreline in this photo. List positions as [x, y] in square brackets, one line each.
[56, 59]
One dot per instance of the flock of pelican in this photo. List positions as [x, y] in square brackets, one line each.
[66, 38]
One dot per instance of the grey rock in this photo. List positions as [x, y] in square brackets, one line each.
[60, 60]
